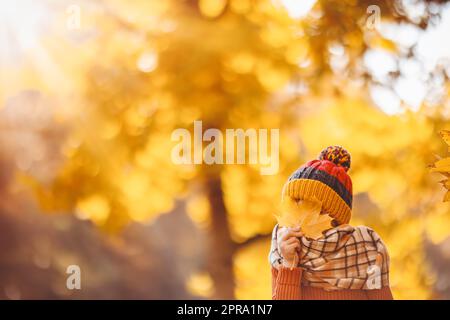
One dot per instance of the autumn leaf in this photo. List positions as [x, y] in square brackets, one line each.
[304, 214]
[447, 197]
[443, 166]
[446, 136]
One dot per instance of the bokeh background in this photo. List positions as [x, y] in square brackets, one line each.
[90, 92]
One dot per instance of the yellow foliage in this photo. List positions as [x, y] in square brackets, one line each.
[252, 272]
[198, 209]
[212, 8]
[95, 208]
[438, 225]
[200, 284]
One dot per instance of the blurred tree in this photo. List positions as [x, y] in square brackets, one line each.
[160, 65]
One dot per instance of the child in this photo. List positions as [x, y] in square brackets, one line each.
[346, 262]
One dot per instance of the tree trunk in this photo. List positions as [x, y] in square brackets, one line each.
[220, 250]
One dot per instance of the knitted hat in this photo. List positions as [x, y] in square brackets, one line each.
[325, 179]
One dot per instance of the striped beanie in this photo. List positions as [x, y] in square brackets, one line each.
[325, 179]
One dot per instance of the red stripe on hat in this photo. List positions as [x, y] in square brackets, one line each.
[334, 170]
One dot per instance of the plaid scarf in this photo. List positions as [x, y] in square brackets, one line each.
[345, 257]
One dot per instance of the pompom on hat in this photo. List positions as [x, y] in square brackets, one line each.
[325, 179]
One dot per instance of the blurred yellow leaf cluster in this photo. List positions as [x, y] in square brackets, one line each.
[200, 285]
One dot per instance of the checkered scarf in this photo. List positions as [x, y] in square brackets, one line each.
[345, 257]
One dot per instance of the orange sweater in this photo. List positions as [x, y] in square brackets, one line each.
[286, 285]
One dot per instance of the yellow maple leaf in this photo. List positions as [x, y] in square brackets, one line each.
[447, 197]
[446, 136]
[304, 214]
[443, 166]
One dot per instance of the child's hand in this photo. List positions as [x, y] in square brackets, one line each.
[290, 246]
